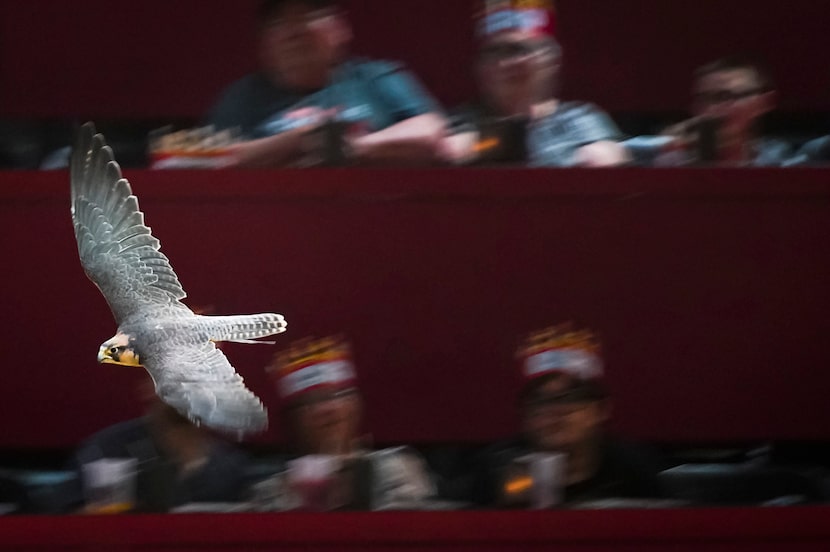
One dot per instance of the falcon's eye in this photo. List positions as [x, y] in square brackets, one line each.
[113, 350]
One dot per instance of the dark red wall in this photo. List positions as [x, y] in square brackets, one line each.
[155, 58]
[708, 287]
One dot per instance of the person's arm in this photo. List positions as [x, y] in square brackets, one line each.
[413, 141]
[604, 153]
[415, 123]
[598, 138]
[460, 148]
[239, 108]
[271, 151]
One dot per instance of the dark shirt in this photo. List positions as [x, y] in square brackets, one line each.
[625, 471]
[373, 94]
[552, 140]
[159, 486]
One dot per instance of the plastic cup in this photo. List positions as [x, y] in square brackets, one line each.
[548, 473]
[109, 485]
[311, 480]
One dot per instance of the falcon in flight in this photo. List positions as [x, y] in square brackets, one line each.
[155, 329]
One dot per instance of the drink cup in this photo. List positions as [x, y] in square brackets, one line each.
[547, 470]
[109, 485]
[311, 480]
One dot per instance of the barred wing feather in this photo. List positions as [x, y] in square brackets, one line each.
[117, 250]
[200, 381]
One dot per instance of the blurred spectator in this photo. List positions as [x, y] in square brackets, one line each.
[318, 385]
[177, 462]
[730, 97]
[518, 117]
[308, 85]
[564, 407]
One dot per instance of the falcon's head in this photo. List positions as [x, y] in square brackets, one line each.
[119, 350]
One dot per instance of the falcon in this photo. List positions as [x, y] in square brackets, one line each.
[155, 329]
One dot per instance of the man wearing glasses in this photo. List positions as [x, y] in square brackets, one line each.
[564, 408]
[518, 117]
[730, 97]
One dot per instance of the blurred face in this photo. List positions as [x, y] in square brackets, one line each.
[300, 45]
[553, 424]
[327, 421]
[516, 70]
[734, 95]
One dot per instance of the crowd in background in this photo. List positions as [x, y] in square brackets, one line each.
[562, 454]
[313, 103]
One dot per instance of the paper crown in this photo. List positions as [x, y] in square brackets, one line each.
[311, 364]
[561, 349]
[536, 17]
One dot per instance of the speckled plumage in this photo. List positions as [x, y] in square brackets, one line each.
[120, 255]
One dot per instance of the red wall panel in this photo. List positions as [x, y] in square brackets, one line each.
[709, 289]
[628, 530]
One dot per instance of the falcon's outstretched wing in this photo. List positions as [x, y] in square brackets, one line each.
[117, 250]
[200, 383]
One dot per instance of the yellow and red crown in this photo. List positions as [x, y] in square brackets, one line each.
[537, 17]
[311, 364]
[562, 349]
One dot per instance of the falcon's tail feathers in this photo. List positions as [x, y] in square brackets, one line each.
[252, 341]
[246, 328]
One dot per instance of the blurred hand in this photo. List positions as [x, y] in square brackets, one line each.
[309, 118]
[604, 153]
[459, 149]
